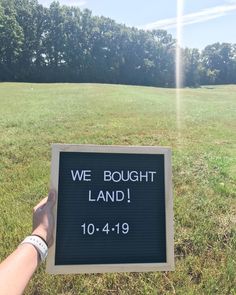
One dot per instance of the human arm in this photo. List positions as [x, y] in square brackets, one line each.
[17, 269]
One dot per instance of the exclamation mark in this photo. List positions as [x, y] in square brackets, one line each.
[128, 195]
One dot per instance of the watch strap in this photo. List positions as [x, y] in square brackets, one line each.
[39, 244]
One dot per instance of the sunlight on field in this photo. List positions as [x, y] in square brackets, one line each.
[32, 116]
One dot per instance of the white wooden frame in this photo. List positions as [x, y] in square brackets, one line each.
[132, 267]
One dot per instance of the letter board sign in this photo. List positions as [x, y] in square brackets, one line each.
[114, 209]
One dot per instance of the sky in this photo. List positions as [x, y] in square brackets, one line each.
[204, 21]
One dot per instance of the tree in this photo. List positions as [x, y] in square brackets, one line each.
[66, 44]
[191, 65]
[218, 61]
[11, 40]
[54, 42]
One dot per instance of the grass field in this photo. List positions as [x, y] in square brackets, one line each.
[32, 116]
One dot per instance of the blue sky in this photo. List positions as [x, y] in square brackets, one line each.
[204, 21]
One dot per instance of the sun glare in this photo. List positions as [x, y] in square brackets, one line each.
[179, 67]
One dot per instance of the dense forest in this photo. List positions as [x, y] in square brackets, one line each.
[66, 44]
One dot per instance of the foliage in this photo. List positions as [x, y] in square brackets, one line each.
[219, 62]
[66, 44]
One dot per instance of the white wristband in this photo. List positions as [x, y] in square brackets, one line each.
[39, 244]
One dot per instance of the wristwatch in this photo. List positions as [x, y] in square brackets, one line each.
[39, 243]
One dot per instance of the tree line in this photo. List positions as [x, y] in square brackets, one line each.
[66, 44]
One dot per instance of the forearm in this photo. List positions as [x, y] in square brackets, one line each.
[17, 269]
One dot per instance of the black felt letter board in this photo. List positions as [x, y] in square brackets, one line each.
[92, 230]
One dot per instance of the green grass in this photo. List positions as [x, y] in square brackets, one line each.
[32, 116]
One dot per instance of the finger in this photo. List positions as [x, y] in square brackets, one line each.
[41, 203]
[51, 199]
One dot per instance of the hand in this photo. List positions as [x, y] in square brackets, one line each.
[43, 221]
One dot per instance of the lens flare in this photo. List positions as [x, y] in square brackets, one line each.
[179, 63]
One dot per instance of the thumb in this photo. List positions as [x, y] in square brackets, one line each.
[51, 199]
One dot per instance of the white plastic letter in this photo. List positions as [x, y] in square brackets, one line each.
[107, 175]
